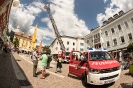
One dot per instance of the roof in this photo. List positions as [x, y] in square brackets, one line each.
[4, 13]
[114, 19]
[21, 34]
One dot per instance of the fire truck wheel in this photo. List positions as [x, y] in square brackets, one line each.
[68, 75]
[84, 79]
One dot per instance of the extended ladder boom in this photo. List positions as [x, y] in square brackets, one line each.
[55, 27]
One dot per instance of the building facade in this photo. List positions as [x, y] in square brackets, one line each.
[70, 43]
[24, 40]
[4, 19]
[115, 34]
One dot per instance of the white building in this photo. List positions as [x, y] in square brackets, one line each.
[70, 43]
[115, 34]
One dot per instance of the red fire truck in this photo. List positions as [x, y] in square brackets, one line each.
[98, 67]
[64, 55]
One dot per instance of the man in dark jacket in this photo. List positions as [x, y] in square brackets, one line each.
[49, 60]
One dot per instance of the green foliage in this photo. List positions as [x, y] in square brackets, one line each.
[47, 49]
[130, 47]
[16, 42]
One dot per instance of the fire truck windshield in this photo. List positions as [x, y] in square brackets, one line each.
[67, 53]
[98, 55]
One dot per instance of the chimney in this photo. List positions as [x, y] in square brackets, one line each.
[110, 19]
[105, 22]
[121, 13]
[116, 16]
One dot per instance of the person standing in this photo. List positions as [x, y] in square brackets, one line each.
[121, 60]
[35, 62]
[120, 55]
[5, 49]
[59, 65]
[44, 59]
[49, 60]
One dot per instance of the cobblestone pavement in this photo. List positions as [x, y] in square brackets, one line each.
[61, 80]
[8, 78]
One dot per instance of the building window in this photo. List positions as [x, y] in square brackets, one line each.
[132, 20]
[122, 39]
[98, 35]
[56, 48]
[126, 24]
[130, 36]
[73, 43]
[67, 49]
[115, 42]
[108, 44]
[112, 29]
[73, 49]
[81, 49]
[81, 44]
[87, 41]
[67, 42]
[95, 36]
[106, 33]
[119, 27]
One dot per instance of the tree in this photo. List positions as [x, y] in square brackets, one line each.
[47, 49]
[16, 42]
[130, 47]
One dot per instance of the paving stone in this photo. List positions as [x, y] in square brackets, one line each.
[53, 81]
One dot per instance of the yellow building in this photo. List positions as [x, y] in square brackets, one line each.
[25, 40]
[34, 39]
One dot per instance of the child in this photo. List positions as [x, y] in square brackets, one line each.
[59, 65]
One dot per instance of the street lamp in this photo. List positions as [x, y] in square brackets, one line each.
[16, 3]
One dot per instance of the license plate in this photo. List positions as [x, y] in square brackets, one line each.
[108, 81]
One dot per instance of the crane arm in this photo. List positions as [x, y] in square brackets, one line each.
[55, 28]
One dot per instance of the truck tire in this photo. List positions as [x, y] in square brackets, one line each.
[68, 75]
[84, 79]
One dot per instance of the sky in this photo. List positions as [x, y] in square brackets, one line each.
[72, 17]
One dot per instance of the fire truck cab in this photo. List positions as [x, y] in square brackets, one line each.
[64, 55]
[97, 67]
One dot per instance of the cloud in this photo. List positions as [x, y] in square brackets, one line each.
[65, 18]
[23, 16]
[114, 7]
[45, 19]
[63, 12]
[105, 1]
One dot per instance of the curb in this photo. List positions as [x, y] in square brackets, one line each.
[20, 74]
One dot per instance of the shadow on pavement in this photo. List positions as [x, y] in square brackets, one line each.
[24, 81]
[47, 74]
[127, 74]
[125, 85]
[75, 77]
[18, 60]
[99, 86]
[39, 72]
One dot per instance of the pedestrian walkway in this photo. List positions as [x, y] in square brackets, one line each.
[11, 75]
[8, 78]
[26, 57]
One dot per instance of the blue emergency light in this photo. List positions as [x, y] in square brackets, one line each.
[94, 49]
[90, 48]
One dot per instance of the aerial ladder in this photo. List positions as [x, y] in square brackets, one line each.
[57, 34]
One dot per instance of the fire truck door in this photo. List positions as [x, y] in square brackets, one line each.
[77, 67]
